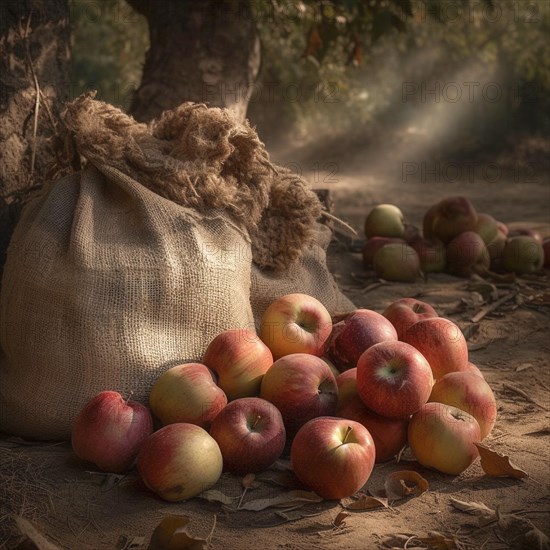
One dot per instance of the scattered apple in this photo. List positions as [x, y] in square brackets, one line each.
[450, 217]
[374, 244]
[444, 437]
[471, 367]
[431, 253]
[396, 262]
[385, 220]
[467, 254]
[405, 312]
[522, 255]
[109, 431]
[333, 456]
[496, 246]
[180, 461]
[295, 323]
[486, 227]
[525, 231]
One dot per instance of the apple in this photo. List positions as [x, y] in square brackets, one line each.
[412, 233]
[187, 393]
[295, 323]
[397, 262]
[394, 379]
[450, 217]
[464, 390]
[444, 437]
[302, 387]
[431, 253]
[428, 221]
[180, 461]
[240, 359]
[522, 255]
[374, 244]
[546, 249]
[503, 228]
[354, 334]
[405, 312]
[385, 220]
[250, 433]
[496, 246]
[471, 367]
[486, 227]
[467, 254]
[525, 231]
[441, 342]
[389, 434]
[110, 430]
[333, 456]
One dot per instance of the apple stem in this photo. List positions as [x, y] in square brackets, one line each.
[348, 431]
[258, 418]
[129, 396]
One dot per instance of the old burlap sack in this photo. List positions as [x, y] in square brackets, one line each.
[174, 231]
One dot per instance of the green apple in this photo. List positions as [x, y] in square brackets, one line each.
[385, 220]
[522, 255]
[486, 227]
[397, 262]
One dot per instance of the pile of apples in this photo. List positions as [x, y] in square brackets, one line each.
[454, 238]
[337, 396]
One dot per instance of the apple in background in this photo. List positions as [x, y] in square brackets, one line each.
[240, 359]
[302, 387]
[441, 342]
[389, 434]
[250, 433]
[431, 253]
[295, 323]
[333, 456]
[428, 221]
[503, 228]
[352, 336]
[496, 246]
[444, 437]
[467, 254]
[405, 312]
[465, 391]
[397, 262]
[374, 244]
[486, 227]
[394, 379]
[109, 431]
[451, 216]
[187, 393]
[180, 461]
[475, 369]
[522, 255]
[385, 220]
[525, 231]
[546, 250]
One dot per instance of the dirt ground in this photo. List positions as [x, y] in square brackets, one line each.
[77, 509]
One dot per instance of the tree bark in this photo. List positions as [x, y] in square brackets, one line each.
[204, 51]
[34, 81]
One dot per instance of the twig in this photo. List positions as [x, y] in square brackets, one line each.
[524, 395]
[338, 220]
[372, 286]
[491, 307]
[209, 537]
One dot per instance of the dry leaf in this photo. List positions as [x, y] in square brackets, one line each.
[405, 483]
[284, 479]
[282, 465]
[37, 540]
[545, 430]
[537, 540]
[171, 534]
[285, 499]
[217, 496]
[439, 541]
[366, 502]
[474, 508]
[340, 519]
[498, 465]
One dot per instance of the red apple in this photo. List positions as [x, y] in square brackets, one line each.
[110, 430]
[475, 369]
[397, 262]
[486, 227]
[302, 387]
[389, 434]
[441, 342]
[374, 244]
[467, 392]
[357, 332]
[467, 254]
[444, 437]
[333, 456]
[187, 393]
[295, 323]
[405, 312]
[180, 461]
[250, 433]
[450, 217]
[384, 220]
[240, 359]
[431, 253]
[522, 255]
[394, 379]
[428, 221]
[525, 231]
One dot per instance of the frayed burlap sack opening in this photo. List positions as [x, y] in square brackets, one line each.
[173, 232]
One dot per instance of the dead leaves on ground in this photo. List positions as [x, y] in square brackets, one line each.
[495, 464]
[171, 534]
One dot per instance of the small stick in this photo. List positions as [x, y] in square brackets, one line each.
[491, 307]
[524, 395]
[338, 220]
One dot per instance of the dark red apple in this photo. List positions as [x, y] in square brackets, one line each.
[431, 253]
[405, 312]
[467, 254]
[451, 216]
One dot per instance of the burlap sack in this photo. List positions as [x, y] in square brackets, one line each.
[134, 264]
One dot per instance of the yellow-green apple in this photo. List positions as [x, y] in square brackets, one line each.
[240, 359]
[486, 227]
[444, 437]
[441, 342]
[333, 456]
[397, 262]
[389, 434]
[467, 254]
[295, 323]
[471, 367]
[250, 433]
[405, 312]
[522, 255]
[110, 430]
[525, 231]
[464, 390]
[187, 393]
[546, 250]
[385, 220]
[302, 387]
[394, 379]
[431, 253]
[496, 246]
[450, 217]
[374, 244]
[354, 334]
[180, 461]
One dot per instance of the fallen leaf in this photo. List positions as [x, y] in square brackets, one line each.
[523, 367]
[404, 483]
[340, 519]
[474, 508]
[366, 502]
[545, 430]
[217, 496]
[438, 541]
[247, 481]
[171, 534]
[38, 541]
[498, 465]
[537, 540]
[282, 465]
[285, 499]
[284, 479]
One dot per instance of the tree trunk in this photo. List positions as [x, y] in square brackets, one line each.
[204, 51]
[34, 80]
